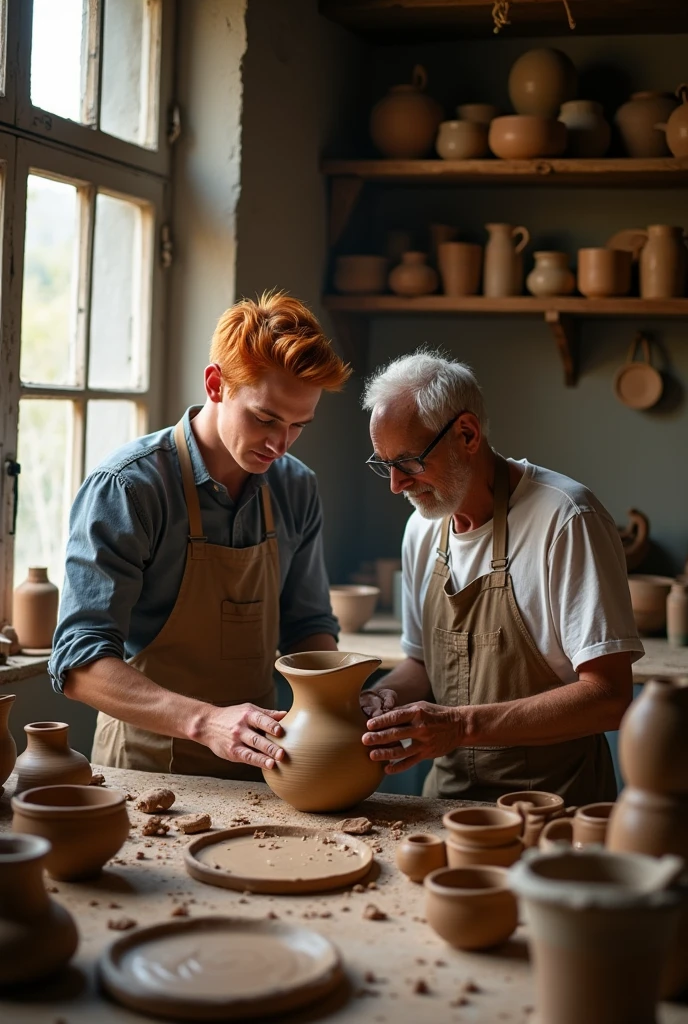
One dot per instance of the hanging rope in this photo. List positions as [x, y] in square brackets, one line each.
[500, 14]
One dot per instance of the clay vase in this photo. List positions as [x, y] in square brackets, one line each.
[588, 134]
[648, 600]
[503, 267]
[526, 136]
[637, 122]
[663, 263]
[596, 922]
[539, 808]
[327, 768]
[676, 127]
[48, 759]
[470, 908]
[653, 753]
[604, 272]
[540, 81]
[34, 611]
[460, 266]
[550, 275]
[478, 113]
[8, 748]
[677, 615]
[461, 140]
[37, 935]
[360, 275]
[413, 276]
[419, 854]
[404, 123]
[353, 604]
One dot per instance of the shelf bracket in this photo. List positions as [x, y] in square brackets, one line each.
[344, 194]
[351, 332]
[565, 335]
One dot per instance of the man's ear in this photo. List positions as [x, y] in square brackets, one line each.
[213, 382]
[468, 426]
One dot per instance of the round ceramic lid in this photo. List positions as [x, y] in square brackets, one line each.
[638, 385]
[220, 968]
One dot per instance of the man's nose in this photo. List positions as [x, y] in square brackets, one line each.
[398, 481]
[279, 441]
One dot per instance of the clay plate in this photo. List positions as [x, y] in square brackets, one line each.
[277, 859]
[220, 968]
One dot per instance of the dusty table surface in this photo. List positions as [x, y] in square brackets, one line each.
[385, 960]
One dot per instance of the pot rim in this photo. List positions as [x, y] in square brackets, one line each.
[588, 811]
[7, 696]
[500, 876]
[41, 728]
[27, 848]
[513, 818]
[554, 803]
[424, 840]
[354, 590]
[109, 800]
[348, 659]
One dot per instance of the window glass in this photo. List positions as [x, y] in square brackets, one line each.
[131, 71]
[57, 82]
[109, 424]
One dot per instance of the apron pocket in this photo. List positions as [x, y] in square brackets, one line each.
[242, 630]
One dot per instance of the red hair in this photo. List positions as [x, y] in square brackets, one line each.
[276, 332]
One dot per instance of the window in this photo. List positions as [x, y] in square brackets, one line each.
[84, 165]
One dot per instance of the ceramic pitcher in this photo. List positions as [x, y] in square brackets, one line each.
[503, 270]
[8, 748]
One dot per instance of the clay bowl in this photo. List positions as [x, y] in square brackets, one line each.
[526, 136]
[483, 826]
[86, 826]
[470, 908]
[361, 275]
[419, 854]
[464, 856]
[353, 605]
[648, 598]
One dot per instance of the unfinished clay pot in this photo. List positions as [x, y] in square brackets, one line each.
[49, 760]
[590, 824]
[419, 854]
[559, 830]
[541, 80]
[461, 140]
[413, 276]
[483, 826]
[677, 125]
[8, 748]
[637, 122]
[327, 768]
[85, 826]
[37, 935]
[353, 605]
[551, 274]
[653, 752]
[404, 123]
[648, 598]
[604, 272]
[470, 908]
[524, 137]
[462, 855]
[34, 610]
[650, 823]
[539, 807]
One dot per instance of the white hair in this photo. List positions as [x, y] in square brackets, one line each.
[439, 387]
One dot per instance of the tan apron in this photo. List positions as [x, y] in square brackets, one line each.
[218, 645]
[478, 651]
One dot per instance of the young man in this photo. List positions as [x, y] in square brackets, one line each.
[196, 552]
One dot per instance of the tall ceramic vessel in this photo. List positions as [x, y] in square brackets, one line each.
[503, 270]
[34, 610]
[327, 768]
[37, 935]
[49, 760]
[8, 748]
[663, 263]
[653, 752]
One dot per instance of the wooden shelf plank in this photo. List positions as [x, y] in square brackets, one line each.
[518, 305]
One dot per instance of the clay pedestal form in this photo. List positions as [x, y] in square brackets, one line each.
[353, 605]
[470, 908]
[604, 272]
[361, 275]
[540, 81]
[37, 935]
[460, 265]
[503, 269]
[589, 134]
[648, 598]
[551, 274]
[461, 140]
[526, 136]
[677, 126]
[404, 123]
[8, 748]
[637, 122]
[413, 276]
[598, 933]
[663, 263]
[327, 768]
[34, 611]
[538, 806]
[677, 614]
[48, 759]
[419, 854]
[653, 752]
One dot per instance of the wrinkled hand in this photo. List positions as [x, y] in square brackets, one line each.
[433, 731]
[241, 733]
[376, 702]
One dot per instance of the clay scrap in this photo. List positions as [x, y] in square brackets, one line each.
[155, 800]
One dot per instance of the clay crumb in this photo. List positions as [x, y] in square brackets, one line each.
[97, 780]
[129, 796]
[272, 916]
[155, 826]
[121, 924]
[189, 824]
[140, 855]
[373, 913]
[420, 987]
[471, 986]
[93, 903]
[420, 961]
[155, 800]
[358, 887]
[460, 1001]
[372, 885]
[114, 906]
[369, 978]
[181, 911]
[355, 826]
[440, 963]
[361, 993]
[51, 888]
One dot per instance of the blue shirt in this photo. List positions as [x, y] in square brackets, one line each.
[127, 548]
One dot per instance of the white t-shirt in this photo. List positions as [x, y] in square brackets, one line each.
[567, 566]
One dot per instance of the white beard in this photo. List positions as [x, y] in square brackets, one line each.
[435, 504]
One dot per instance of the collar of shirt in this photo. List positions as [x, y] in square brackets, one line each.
[200, 471]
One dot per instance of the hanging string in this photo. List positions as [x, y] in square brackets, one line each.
[500, 14]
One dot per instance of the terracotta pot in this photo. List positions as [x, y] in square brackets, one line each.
[34, 611]
[478, 113]
[653, 753]
[677, 615]
[538, 806]
[327, 768]
[384, 578]
[557, 831]
[648, 598]
[463, 855]
[520, 137]
[85, 826]
[676, 127]
[637, 122]
[413, 276]
[590, 824]
[419, 854]
[353, 605]
[49, 760]
[589, 134]
[550, 275]
[470, 908]
[37, 935]
[483, 826]
[461, 140]
[598, 937]
[540, 81]
[503, 267]
[361, 275]
[663, 263]
[8, 748]
[404, 123]
[460, 266]
[604, 272]
[651, 823]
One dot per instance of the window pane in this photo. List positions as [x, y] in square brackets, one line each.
[108, 425]
[131, 71]
[44, 453]
[119, 315]
[48, 349]
[56, 48]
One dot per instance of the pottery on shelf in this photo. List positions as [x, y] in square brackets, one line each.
[648, 598]
[470, 908]
[479, 113]
[327, 767]
[404, 123]
[539, 807]
[397, 242]
[8, 748]
[524, 137]
[604, 272]
[85, 826]
[360, 275]
[676, 127]
[663, 263]
[540, 81]
[589, 134]
[653, 753]
[419, 854]
[677, 614]
[37, 935]
[551, 274]
[49, 760]
[460, 266]
[353, 605]
[34, 610]
[503, 265]
[462, 140]
[413, 276]
[637, 122]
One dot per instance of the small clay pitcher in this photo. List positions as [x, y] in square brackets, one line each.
[551, 275]
[676, 127]
[48, 759]
[653, 752]
[413, 276]
[637, 121]
[8, 748]
[588, 134]
[503, 268]
[34, 611]
[37, 935]
[677, 614]
[460, 266]
[470, 908]
[419, 854]
[404, 123]
[537, 806]
[663, 263]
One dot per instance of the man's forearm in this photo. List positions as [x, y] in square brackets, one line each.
[409, 680]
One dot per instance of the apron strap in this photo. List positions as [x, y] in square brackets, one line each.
[193, 506]
[268, 518]
[443, 549]
[499, 517]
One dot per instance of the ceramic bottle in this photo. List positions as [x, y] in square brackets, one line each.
[37, 935]
[413, 276]
[34, 610]
[327, 767]
[8, 748]
[404, 123]
[48, 759]
[503, 269]
[663, 263]
[637, 122]
[677, 614]
[551, 274]
[588, 134]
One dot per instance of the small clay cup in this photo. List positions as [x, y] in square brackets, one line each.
[590, 824]
[483, 826]
[86, 826]
[419, 854]
[604, 272]
[460, 855]
[470, 908]
[556, 832]
[539, 807]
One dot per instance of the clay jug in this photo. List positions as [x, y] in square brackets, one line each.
[404, 123]
[37, 935]
[540, 81]
[460, 267]
[327, 767]
[537, 807]
[637, 122]
[676, 127]
[48, 759]
[677, 615]
[588, 134]
[663, 263]
[34, 610]
[551, 274]
[8, 748]
[653, 752]
[503, 269]
[413, 276]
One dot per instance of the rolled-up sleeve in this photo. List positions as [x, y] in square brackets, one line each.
[107, 550]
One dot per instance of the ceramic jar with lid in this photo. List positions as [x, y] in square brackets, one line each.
[541, 80]
[677, 126]
[637, 122]
[34, 610]
[404, 123]
[551, 275]
[413, 276]
[588, 134]
[503, 267]
[677, 614]
[462, 140]
[663, 263]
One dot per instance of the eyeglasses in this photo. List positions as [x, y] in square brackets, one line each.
[410, 467]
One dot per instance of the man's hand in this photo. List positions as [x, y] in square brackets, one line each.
[376, 702]
[433, 731]
[241, 733]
